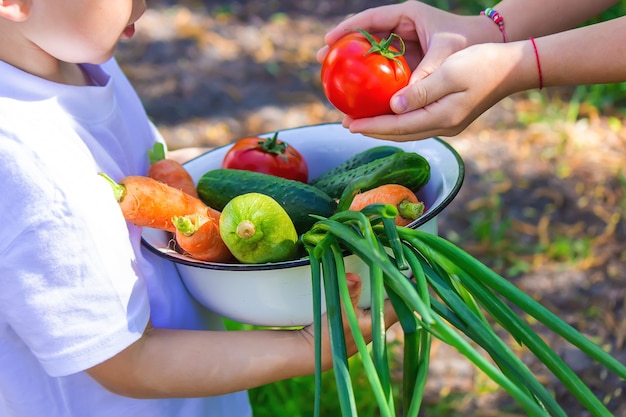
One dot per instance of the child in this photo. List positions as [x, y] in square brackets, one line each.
[91, 324]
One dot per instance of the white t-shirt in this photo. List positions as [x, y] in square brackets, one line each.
[76, 287]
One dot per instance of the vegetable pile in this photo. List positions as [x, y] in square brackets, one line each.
[262, 192]
[362, 207]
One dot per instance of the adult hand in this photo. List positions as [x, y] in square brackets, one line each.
[465, 85]
[431, 36]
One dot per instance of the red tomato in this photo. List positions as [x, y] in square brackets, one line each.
[269, 156]
[361, 73]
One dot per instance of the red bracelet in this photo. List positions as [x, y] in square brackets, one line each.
[497, 19]
[532, 40]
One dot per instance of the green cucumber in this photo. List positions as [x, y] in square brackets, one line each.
[217, 187]
[405, 168]
[357, 160]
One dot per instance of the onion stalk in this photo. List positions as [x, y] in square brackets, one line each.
[450, 296]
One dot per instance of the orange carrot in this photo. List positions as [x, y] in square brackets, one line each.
[147, 202]
[169, 171]
[198, 235]
[405, 200]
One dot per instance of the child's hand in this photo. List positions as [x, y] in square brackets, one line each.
[364, 319]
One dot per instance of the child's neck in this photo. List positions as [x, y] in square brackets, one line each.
[40, 64]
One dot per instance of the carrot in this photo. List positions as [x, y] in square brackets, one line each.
[147, 202]
[405, 200]
[199, 237]
[169, 171]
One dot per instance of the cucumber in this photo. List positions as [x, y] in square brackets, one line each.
[217, 187]
[357, 160]
[405, 168]
[256, 229]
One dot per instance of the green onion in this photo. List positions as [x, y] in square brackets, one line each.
[316, 276]
[369, 254]
[448, 298]
[483, 274]
[379, 334]
[337, 341]
[379, 389]
[522, 332]
[417, 345]
[388, 215]
[475, 326]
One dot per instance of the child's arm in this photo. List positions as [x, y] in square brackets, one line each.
[168, 363]
[523, 19]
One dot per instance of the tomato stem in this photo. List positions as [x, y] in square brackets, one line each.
[273, 146]
[383, 47]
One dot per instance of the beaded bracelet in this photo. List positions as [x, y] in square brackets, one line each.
[532, 40]
[496, 18]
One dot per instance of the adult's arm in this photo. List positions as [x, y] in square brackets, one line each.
[475, 78]
[432, 34]
[453, 81]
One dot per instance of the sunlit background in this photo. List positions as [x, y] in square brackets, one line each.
[543, 201]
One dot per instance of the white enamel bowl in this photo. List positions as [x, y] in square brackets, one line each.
[280, 294]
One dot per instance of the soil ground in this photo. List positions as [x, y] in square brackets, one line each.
[543, 200]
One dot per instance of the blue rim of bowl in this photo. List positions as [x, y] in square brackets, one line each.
[430, 215]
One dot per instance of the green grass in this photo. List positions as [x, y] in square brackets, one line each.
[295, 397]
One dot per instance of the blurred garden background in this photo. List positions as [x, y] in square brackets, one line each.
[543, 202]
